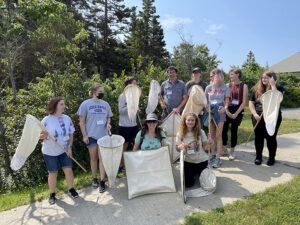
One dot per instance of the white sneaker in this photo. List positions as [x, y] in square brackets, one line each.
[232, 156]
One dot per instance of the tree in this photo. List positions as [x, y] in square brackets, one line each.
[46, 27]
[108, 20]
[251, 63]
[146, 37]
[188, 55]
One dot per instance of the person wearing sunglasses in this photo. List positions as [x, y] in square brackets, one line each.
[151, 136]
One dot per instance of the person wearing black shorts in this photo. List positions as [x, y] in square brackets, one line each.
[127, 128]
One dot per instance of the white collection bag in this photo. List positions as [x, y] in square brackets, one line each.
[271, 103]
[132, 94]
[196, 102]
[30, 137]
[153, 97]
[111, 148]
[170, 125]
[149, 171]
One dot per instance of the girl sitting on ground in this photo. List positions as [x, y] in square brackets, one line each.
[191, 138]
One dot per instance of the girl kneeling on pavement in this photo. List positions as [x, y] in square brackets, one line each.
[192, 138]
[61, 128]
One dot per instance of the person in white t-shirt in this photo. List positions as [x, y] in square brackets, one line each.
[61, 128]
[192, 139]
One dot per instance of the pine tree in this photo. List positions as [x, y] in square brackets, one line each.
[107, 20]
[146, 36]
[251, 63]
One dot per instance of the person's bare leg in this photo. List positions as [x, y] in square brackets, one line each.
[101, 166]
[213, 134]
[219, 139]
[52, 178]
[94, 160]
[69, 177]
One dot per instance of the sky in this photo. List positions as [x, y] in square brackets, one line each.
[232, 28]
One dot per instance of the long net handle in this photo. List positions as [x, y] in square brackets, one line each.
[209, 120]
[257, 122]
[217, 128]
[164, 103]
[173, 132]
[52, 139]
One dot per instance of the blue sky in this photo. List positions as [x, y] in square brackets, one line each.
[231, 28]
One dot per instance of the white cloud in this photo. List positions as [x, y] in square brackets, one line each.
[172, 21]
[214, 28]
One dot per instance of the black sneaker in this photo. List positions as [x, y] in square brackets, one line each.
[52, 199]
[271, 162]
[74, 193]
[102, 186]
[257, 161]
[95, 183]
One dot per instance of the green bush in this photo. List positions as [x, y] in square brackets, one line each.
[74, 89]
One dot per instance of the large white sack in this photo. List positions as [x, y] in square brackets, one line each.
[30, 137]
[271, 104]
[153, 97]
[132, 94]
[149, 171]
[111, 148]
[196, 102]
[170, 125]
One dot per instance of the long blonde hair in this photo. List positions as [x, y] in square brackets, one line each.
[260, 88]
[182, 129]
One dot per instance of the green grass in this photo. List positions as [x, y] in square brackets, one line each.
[246, 128]
[41, 192]
[38, 193]
[275, 206]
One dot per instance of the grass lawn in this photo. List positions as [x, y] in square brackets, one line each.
[14, 199]
[275, 206]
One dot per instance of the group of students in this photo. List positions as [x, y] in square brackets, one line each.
[226, 106]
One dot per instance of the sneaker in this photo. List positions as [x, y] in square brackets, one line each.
[271, 162]
[217, 163]
[102, 186]
[74, 193]
[212, 158]
[232, 155]
[52, 199]
[95, 183]
[257, 161]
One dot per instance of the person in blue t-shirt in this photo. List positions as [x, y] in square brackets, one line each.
[151, 136]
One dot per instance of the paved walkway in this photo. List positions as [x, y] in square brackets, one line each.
[291, 113]
[235, 180]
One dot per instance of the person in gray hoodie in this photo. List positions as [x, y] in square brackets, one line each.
[127, 128]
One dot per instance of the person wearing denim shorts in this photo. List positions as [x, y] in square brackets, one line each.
[218, 95]
[94, 117]
[61, 128]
